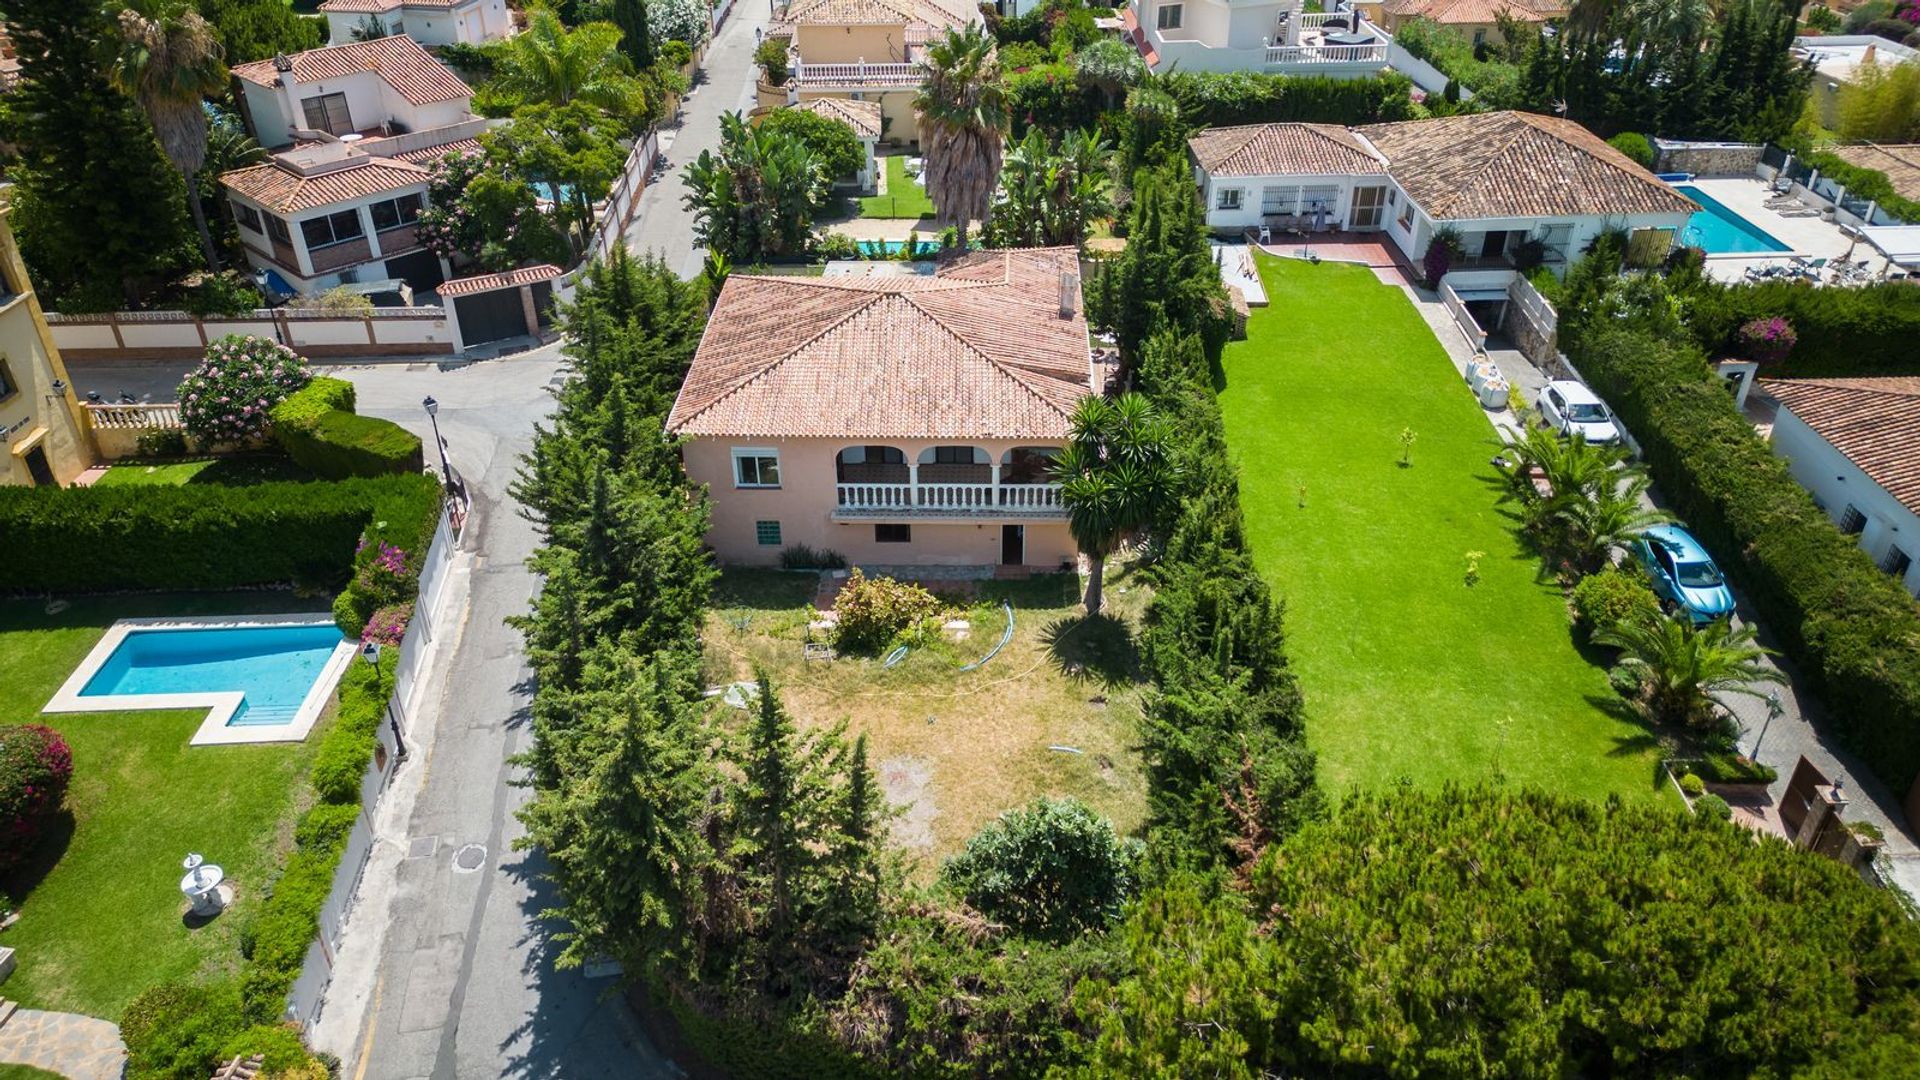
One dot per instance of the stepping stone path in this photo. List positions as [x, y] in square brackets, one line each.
[75, 1046]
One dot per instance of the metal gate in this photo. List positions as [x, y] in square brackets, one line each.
[490, 316]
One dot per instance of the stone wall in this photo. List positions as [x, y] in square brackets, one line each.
[1532, 324]
[1706, 159]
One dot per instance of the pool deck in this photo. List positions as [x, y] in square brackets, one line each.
[1812, 237]
[221, 704]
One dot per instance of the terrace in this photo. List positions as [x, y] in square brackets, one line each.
[878, 481]
[1293, 43]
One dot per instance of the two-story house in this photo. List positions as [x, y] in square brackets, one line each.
[898, 421]
[1476, 20]
[47, 441]
[356, 129]
[863, 50]
[1273, 36]
[430, 22]
[1498, 180]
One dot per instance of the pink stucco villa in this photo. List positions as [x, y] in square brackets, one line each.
[898, 421]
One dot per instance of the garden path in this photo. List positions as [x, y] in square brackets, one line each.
[75, 1046]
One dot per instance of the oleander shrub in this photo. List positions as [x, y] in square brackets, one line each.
[384, 575]
[874, 611]
[227, 398]
[35, 768]
[1052, 869]
[1612, 597]
[176, 1031]
[388, 625]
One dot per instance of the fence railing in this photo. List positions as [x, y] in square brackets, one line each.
[857, 74]
[1327, 54]
[610, 228]
[135, 417]
[951, 498]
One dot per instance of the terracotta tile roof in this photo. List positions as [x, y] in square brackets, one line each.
[1900, 162]
[1875, 422]
[427, 155]
[936, 14]
[977, 351]
[411, 70]
[1476, 12]
[1283, 149]
[1130, 25]
[510, 279]
[862, 116]
[285, 191]
[381, 7]
[1516, 164]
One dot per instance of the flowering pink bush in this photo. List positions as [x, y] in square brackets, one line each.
[228, 397]
[35, 765]
[389, 624]
[1768, 341]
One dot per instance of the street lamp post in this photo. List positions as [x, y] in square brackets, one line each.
[1774, 709]
[370, 652]
[433, 407]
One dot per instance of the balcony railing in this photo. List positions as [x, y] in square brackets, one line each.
[860, 74]
[334, 256]
[135, 417]
[944, 499]
[1376, 53]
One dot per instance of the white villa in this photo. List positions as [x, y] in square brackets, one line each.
[862, 50]
[1854, 444]
[357, 128]
[1275, 36]
[430, 22]
[1499, 179]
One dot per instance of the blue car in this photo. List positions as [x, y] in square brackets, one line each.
[1683, 574]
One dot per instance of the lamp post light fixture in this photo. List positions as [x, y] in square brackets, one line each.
[433, 409]
[1775, 708]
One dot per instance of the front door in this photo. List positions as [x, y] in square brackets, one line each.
[38, 468]
[1013, 545]
[1369, 208]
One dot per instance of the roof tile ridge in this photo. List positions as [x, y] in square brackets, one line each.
[1007, 369]
[785, 355]
[1877, 385]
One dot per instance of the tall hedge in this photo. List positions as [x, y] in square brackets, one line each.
[1219, 99]
[1842, 332]
[318, 429]
[1848, 625]
[204, 537]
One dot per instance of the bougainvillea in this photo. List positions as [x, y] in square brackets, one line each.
[1768, 341]
[227, 398]
[35, 765]
[388, 625]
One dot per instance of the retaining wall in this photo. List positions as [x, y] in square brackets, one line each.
[176, 335]
[1706, 158]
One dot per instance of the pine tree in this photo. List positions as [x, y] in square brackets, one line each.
[99, 209]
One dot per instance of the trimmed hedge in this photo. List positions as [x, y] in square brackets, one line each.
[1221, 99]
[1850, 627]
[1864, 183]
[205, 537]
[1869, 331]
[319, 429]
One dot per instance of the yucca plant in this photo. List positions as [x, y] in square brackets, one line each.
[1115, 472]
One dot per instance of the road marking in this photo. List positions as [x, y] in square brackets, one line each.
[373, 1021]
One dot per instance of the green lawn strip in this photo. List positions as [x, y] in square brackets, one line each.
[1407, 671]
[905, 198]
[100, 905]
[236, 470]
[26, 1072]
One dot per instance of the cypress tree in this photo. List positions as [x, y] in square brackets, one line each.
[99, 208]
[636, 38]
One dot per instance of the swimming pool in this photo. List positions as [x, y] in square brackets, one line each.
[262, 678]
[874, 249]
[1719, 231]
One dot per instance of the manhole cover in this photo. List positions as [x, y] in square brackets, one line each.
[423, 847]
[469, 858]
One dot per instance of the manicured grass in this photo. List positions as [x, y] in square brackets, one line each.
[1407, 670]
[955, 748]
[100, 904]
[237, 470]
[26, 1072]
[905, 198]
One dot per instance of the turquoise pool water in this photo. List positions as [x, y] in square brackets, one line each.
[873, 249]
[1719, 231]
[274, 666]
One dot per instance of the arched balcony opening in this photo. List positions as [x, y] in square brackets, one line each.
[955, 465]
[1028, 465]
[871, 465]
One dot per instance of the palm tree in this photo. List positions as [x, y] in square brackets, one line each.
[1600, 521]
[963, 117]
[1115, 472]
[1681, 668]
[552, 64]
[169, 59]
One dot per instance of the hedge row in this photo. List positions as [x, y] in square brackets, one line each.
[1848, 625]
[319, 430]
[205, 537]
[1220, 99]
[1870, 331]
[1864, 183]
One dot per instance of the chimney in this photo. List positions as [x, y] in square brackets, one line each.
[1069, 294]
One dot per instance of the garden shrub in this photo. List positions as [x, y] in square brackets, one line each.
[205, 537]
[384, 575]
[1612, 597]
[803, 557]
[771, 56]
[227, 398]
[1851, 628]
[278, 1046]
[161, 443]
[176, 1031]
[322, 394]
[319, 430]
[228, 293]
[35, 767]
[1864, 183]
[1766, 341]
[1635, 146]
[1692, 785]
[325, 823]
[874, 611]
[341, 761]
[1721, 767]
[387, 625]
[1713, 807]
[1221, 99]
[1052, 869]
[1839, 332]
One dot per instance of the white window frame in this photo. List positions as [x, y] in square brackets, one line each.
[756, 453]
[1168, 16]
[1221, 202]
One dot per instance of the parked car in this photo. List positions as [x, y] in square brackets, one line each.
[1569, 407]
[1684, 575]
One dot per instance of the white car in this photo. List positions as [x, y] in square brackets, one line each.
[1569, 408]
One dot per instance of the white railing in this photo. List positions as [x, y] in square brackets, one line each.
[1325, 17]
[858, 74]
[951, 498]
[1327, 54]
[130, 417]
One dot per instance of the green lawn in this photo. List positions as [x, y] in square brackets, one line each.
[239, 469]
[100, 904]
[905, 198]
[1407, 670]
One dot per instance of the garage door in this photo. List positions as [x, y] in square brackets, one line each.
[490, 316]
[420, 270]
